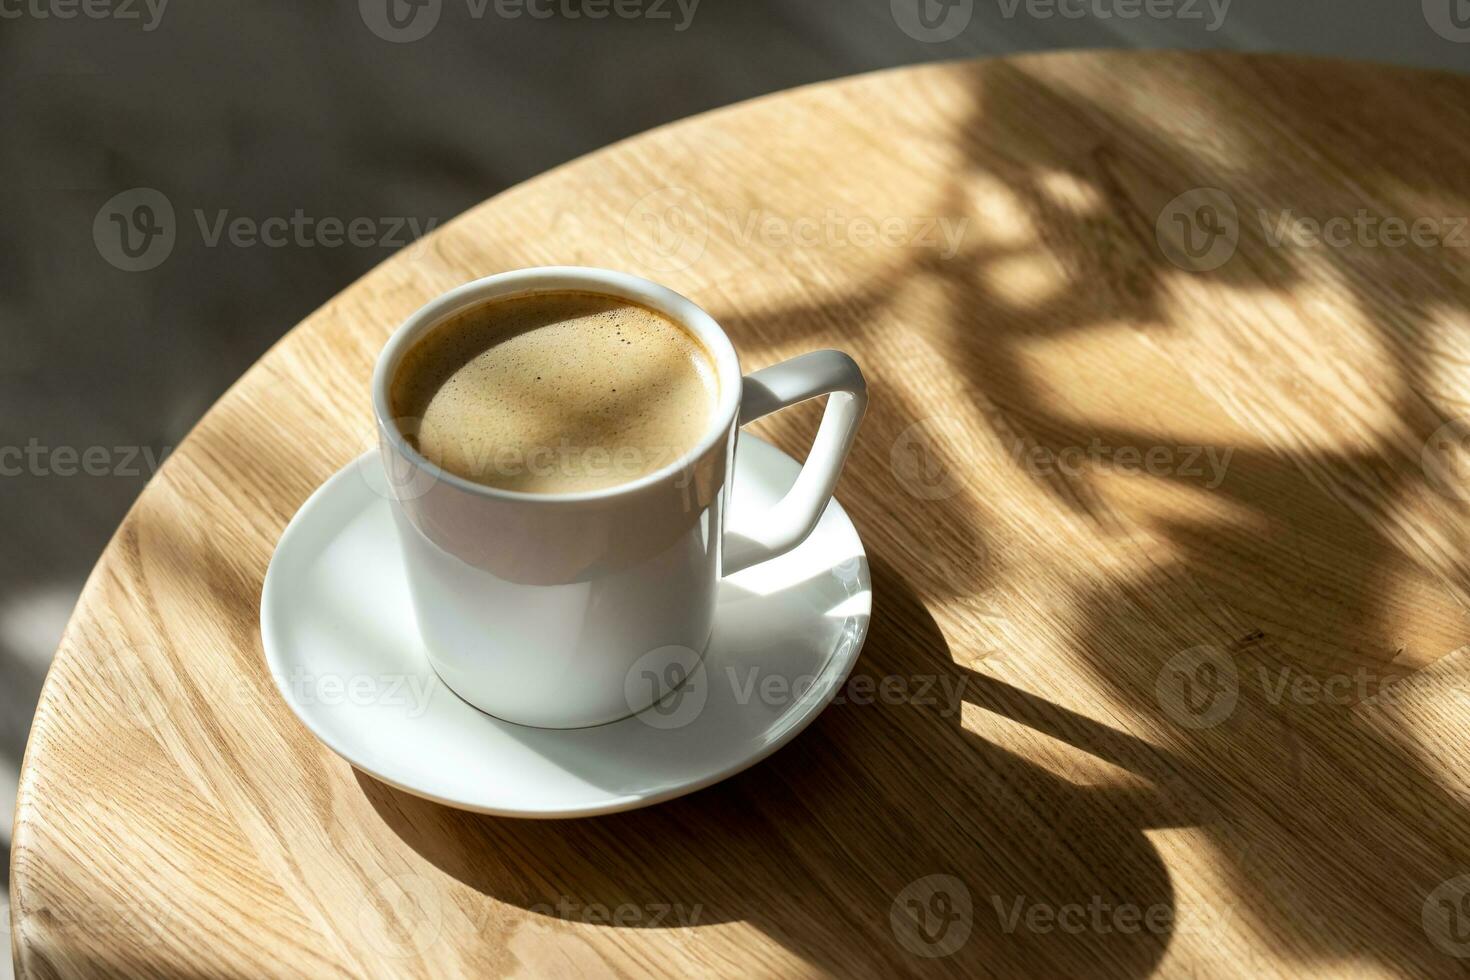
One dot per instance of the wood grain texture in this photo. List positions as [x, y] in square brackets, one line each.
[1170, 567]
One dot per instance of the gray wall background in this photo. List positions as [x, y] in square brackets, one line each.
[267, 107]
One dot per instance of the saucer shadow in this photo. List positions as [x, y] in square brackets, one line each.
[825, 847]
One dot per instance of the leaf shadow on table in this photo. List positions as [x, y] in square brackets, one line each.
[1330, 551]
[1326, 551]
[886, 839]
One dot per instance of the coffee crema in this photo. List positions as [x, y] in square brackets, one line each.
[555, 392]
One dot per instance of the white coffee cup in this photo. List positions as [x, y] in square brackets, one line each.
[577, 609]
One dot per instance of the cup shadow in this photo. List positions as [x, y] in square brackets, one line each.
[867, 845]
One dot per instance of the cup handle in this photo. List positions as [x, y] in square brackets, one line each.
[754, 538]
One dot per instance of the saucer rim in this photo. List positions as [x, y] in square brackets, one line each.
[272, 642]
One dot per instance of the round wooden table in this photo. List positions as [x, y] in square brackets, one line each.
[1165, 490]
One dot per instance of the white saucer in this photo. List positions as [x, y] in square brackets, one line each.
[341, 641]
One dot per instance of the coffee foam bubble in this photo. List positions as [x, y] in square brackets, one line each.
[555, 392]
